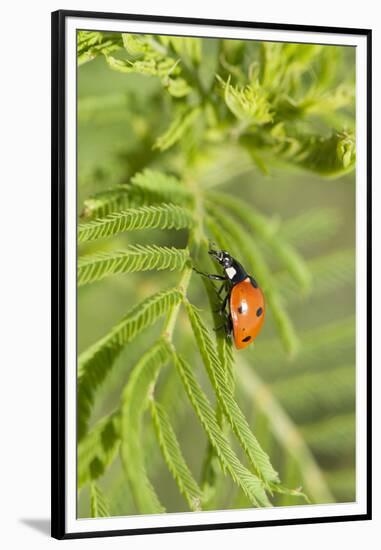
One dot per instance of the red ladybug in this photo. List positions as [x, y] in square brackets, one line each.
[246, 312]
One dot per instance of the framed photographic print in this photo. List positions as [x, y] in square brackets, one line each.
[211, 274]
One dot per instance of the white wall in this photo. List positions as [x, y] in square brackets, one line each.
[25, 265]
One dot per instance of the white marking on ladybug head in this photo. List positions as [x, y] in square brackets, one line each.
[230, 272]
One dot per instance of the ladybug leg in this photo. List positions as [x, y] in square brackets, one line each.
[211, 276]
[222, 306]
[229, 326]
[220, 289]
[221, 310]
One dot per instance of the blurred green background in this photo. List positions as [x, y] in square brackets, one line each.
[310, 397]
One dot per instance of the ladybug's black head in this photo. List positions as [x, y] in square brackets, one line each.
[222, 257]
[233, 269]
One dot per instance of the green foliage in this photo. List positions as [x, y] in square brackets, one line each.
[95, 267]
[251, 485]
[181, 118]
[256, 455]
[97, 450]
[92, 44]
[147, 56]
[97, 361]
[177, 129]
[149, 187]
[249, 103]
[134, 402]
[174, 458]
[166, 216]
[98, 504]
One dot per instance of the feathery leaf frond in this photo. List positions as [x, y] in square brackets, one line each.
[177, 129]
[250, 484]
[258, 458]
[91, 44]
[145, 188]
[95, 267]
[174, 458]
[95, 363]
[97, 450]
[134, 403]
[164, 216]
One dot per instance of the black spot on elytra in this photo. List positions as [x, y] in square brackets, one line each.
[259, 312]
[240, 310]
[246, 339]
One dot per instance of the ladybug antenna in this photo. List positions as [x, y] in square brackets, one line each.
[217, 254]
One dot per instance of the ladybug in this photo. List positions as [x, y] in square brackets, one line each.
[246, 312]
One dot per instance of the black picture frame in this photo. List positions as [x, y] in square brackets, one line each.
[58, 318]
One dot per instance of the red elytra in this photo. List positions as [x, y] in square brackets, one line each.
[247, 310]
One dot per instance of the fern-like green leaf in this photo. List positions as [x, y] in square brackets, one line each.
[177, 129]
[91, 44]
[150, 67]
[170, 188]
[186, 47]
[148, 56]
[135, 258]
[282, 64]
[97, 450]
[134, 403]
[145, 188]
[249, 103]
[96, 362]
[331, 156]
[212, 474]
[258, 458]
[250, 484]
[174, 458]
[165, 216]
[99, 506]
